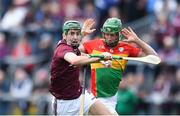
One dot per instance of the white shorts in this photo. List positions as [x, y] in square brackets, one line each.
[109, 102]
[72, 107]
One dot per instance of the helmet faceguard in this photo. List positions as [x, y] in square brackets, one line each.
[72, 24]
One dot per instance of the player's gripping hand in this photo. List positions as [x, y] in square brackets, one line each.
[107, 63]
[106, 55]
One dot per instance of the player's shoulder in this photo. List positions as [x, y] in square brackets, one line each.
[61, 46]
[62, 43]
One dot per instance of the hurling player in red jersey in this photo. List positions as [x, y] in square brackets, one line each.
[116, 41]
[65, 85]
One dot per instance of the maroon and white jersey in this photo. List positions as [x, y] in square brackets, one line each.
[64, 77]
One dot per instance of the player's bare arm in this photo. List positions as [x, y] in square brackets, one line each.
[78, 60]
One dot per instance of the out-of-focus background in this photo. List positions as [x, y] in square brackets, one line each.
[30, 30]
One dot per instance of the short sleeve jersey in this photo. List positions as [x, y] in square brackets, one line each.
[105, 81]
[64, 82]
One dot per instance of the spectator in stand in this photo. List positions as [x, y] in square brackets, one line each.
[176, 21]
[168, 53]
[22, 53]
[175, 93]
[4, 50]
[20, 89]
[17, 12]
[161, 28]
[44, 49]
[41, 84]
[126, 99]
[4, 93]
[22, 48]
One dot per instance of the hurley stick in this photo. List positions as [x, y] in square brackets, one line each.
[81, 110]
[152, 59]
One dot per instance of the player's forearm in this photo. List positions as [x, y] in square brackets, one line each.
[83, 60]
[146, 49]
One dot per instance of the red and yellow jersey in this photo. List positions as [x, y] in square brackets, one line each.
[105, 81]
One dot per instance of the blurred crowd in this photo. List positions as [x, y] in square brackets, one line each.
[30, 29]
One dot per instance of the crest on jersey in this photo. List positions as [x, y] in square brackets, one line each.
[121, 49]
[111, 50]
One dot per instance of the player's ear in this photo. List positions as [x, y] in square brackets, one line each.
[63, 35]
[102, 34]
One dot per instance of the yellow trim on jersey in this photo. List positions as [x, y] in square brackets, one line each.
[116, 64]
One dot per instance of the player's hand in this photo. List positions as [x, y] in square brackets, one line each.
[130, 35]
[106, 55]
[87, 25]
[107, 63]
